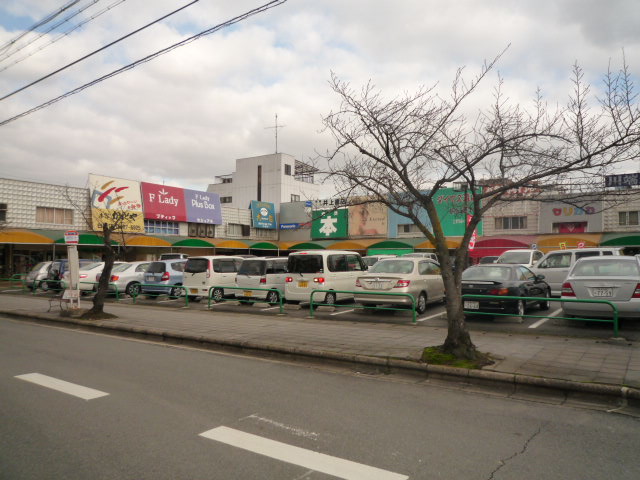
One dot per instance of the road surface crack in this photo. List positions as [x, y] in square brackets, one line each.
[504, 461]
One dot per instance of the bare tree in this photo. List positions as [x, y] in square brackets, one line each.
[402, 151]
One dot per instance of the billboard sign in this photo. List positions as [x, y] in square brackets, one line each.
[330, 223]
[368, 219]
[263, 214]
[453, 207]
[111, 196]
[622, 180]
[175, 204]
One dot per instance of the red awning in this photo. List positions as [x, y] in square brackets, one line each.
[496, 246]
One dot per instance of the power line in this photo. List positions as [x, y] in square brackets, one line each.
[49, 30]
[234, 20]
[97, 51]
[40, 23]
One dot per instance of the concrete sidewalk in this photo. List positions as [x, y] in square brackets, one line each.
[566, 364]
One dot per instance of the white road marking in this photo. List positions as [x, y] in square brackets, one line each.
[269, 308]
[318, 462]
[85, 393]
[429, 318]
[343, 311]
[295, 430]
[545, 320]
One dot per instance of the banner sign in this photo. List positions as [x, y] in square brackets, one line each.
[116, 201]
[622, 180]
[330, 224]
[368, 219]
[174, 204]
[263, 214]
[453, 207]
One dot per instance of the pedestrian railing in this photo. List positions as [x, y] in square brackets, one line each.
[613, 320]
[167, 289]
[95, 284]
[382, 295]
[14, 282]
[249, 298]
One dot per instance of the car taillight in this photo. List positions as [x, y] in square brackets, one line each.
[166, 276]
[402, 283]
[567, 291]
[636, 292]
[82, 275]
[263, 280]
[209, 269]
[358, 284]
[319, 280]
[288, 279]
[498, 291]
[115, 278]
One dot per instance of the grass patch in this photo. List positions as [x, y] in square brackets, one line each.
[435, 356]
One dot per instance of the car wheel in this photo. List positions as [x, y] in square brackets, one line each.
[217, 295]
[273, 297]
[133, 289]
[330, 298]
[519, 309]
[421, 303]
[545, 304]
[176, 292]
[44, 286]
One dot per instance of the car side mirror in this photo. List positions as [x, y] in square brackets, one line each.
[539, 277]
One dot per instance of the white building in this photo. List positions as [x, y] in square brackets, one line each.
[276, 178]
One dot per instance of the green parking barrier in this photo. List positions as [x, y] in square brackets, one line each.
[150, 294]
[381, 294]
[17, 279]
[110, 284]
[280, 296]
[613, 320]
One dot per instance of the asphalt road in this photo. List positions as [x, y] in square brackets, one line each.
[167, 412]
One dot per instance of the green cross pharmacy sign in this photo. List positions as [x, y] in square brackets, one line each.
[330, 224]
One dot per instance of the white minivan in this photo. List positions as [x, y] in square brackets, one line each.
[202, 273]
[555, 265]
[262, 273]
[322, 270]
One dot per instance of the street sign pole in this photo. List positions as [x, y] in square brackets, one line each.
[73, 292]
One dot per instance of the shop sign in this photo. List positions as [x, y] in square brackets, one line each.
[71, 237]
[109, 196]
[263, 214]
[175, 204]
[330, 223]
[622, 180]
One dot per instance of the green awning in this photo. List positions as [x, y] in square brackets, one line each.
[307, 246]
[193, 242]
[88, 239]
[264, 246]
[620, 240]
[389, 251]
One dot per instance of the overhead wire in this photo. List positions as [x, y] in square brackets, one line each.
[49, 75]
[62, 35]
[232, 21]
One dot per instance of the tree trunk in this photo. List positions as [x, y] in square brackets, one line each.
[103, 284]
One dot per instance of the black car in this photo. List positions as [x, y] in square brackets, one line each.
[503, 279]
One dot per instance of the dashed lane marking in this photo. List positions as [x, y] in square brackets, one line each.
[85, 393]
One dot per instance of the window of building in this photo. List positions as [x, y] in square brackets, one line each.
[227, 180]
[408, 228]
[295, 198]
[226, 199]
[58, 216]
[3, 212]
[569, 227]
[287, 169]
[238, 230]
[161, 227]
[628, 218]
[511, 223]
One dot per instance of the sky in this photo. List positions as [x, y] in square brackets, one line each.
[186, 116]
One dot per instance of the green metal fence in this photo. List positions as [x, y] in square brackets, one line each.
[280, 301]
[613, 320]
[381, 294]
[160, 294]
[15, 282]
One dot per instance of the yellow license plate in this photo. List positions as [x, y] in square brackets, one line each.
[194, 290]
[247, 293]
[303, 284]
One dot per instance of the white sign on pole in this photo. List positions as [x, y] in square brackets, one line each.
[71, 237]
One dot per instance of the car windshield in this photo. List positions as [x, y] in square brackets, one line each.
[606, 268]
[197, 265]
[252, 267]
[369, 261]
[91, 266]
[38, 266]
[121, 267]
[305, 264]
[487, 273]
[393, 266]
[514, 257]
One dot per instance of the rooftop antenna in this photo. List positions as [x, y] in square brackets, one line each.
[275, 127]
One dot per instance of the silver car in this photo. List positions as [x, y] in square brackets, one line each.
[261, 273]
[417, 276]
[127, 277]
[36, 275]
[614, 278]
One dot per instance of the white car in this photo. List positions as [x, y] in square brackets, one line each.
[127, 277]
[88, 276]
[524, 257]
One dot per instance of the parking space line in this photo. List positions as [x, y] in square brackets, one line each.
[318, 462]
[343, 311]
[545, 320]
[268, 308]
[430, 317]
[85, 393]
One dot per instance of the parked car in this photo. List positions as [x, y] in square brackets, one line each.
[56, 273]
[524, 257]
[202, 273]
[488, 259]
[322, 270]
[262, 273]
[173, 256]
[88, 276]
[428, 255]
[37, 275]
[163, 277]
[416, 276]
[555, 265]
[616, 279]
[371, 260]
[503, 279]
[127, 277]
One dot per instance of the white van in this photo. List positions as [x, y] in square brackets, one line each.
[555, 265]
[322, 270]
[526, 258]
[202, 273]
[261, 272]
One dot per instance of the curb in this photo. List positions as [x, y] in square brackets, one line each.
[383, 364]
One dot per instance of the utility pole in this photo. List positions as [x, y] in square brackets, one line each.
[275, 127]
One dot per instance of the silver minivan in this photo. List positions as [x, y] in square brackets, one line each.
[203, 273]
[262, 273]
[555, 265]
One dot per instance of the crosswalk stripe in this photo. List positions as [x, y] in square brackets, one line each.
[85, 393]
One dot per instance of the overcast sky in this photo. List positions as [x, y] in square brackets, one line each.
[185, 117]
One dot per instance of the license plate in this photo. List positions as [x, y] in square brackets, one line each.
[602, 292]
[194, 290]
[376, 285]
[471, 305]
[247, 293]
[303, 284]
